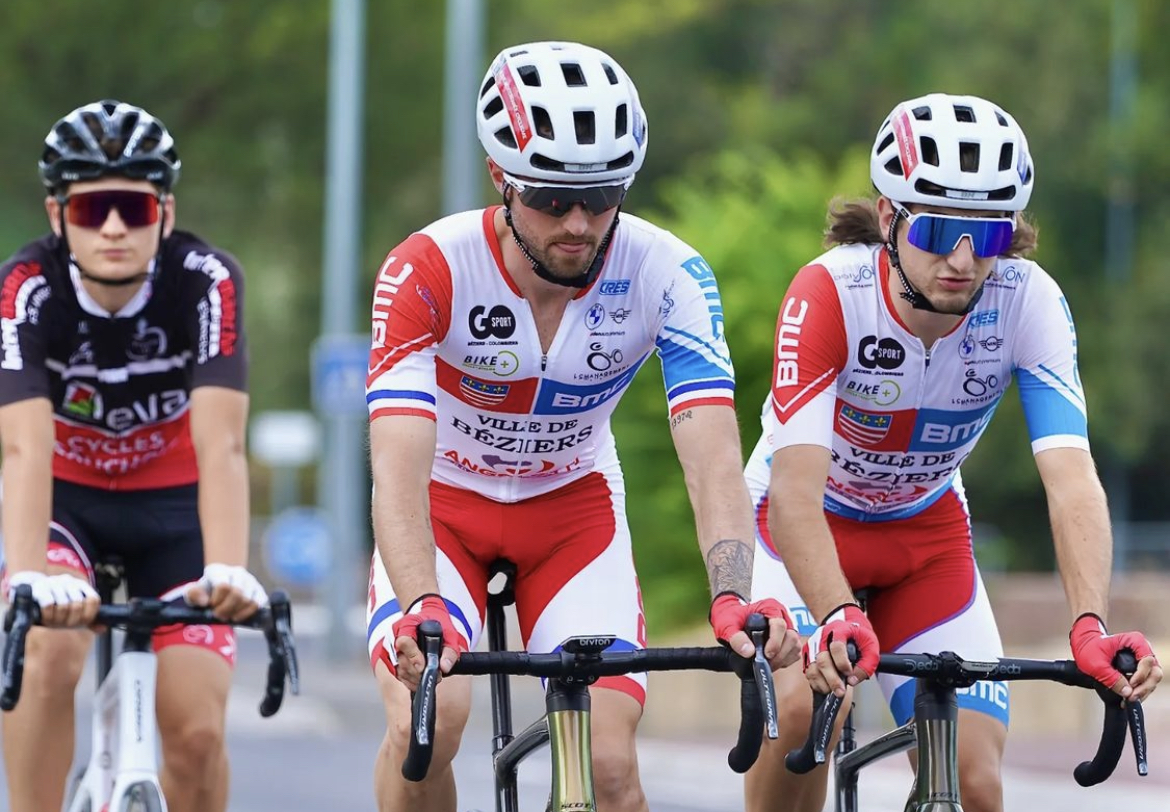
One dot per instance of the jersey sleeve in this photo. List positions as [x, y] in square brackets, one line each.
[23, 291]
[810, 352]
[696, 364]
[1046, 369]
[411, 315]
[216, 322]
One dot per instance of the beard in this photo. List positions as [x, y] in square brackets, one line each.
[558, 263]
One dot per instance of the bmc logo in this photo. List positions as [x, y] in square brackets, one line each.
[940, 430]
[787, 341]
[615, 287]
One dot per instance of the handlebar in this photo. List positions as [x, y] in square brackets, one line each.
[951, 671]
[147, 614]
[757, 692]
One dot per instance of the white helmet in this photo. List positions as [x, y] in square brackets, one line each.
[561, 113]
[961, 152]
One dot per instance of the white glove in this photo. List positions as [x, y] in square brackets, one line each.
[52, 590]
[236, 577]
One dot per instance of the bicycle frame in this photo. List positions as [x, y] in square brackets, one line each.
[565, 726]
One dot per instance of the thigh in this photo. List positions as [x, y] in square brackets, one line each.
[575, 573]
[192, 689]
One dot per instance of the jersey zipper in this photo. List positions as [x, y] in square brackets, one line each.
[543, 361]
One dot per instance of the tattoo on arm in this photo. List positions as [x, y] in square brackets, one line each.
[729, 566]
[677, 420]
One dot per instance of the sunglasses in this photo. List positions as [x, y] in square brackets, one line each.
[557, 201]
[92, 209]
[941, 233]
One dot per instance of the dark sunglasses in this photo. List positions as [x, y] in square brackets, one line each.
[92, 209]
[941, 233]
[557, 201]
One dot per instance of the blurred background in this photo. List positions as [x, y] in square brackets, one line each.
[760, 112]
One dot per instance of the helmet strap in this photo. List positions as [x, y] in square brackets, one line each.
[911, 294]
[580, 282]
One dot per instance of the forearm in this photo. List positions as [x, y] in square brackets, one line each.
[806, 545]
[1084, 546]
[224, 506]
[405, 542]
[28, 499]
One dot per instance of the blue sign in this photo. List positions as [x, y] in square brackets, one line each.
[297, 547]
[339, 370]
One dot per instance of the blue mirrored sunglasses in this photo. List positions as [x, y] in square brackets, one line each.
[941, 233]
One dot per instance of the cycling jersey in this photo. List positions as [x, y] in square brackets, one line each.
[120, 384]
[900, 417]
[455, 341]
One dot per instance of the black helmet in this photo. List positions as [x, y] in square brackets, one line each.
[109, 138]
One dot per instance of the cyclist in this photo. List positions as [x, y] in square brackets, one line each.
[892, 351]
[122, 417]
[503, 339]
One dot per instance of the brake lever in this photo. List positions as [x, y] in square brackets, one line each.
[762, 673]
[422, 704]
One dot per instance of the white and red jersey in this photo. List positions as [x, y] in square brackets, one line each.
[455, 341]
[900, 417]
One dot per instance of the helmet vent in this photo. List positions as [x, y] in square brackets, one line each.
[488, 84]
[1002, 121]
[574, 77]
[505, 137]
[889, 139]
[964, 113]
[621, 124]
[542, 124]
[586, 126]
[1005, 157]
[610, 73]
[929, 150]
[529, 75]
[923, 113]
[894, 166]
[968, 157]
[493, 107]
[622, 162]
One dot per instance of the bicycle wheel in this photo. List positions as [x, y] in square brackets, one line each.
[141, 797]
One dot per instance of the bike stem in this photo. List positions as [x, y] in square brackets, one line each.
[936, 781]
[567, 703]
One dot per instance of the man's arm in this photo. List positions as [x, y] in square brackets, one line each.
[1080, 527]
[219, 418]
[402, 452]
[26, 438]
[796, 519]
[707, 441]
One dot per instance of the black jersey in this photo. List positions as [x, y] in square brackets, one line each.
[120, 384]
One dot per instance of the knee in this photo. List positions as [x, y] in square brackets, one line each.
[981, 784]
[193, 746]
[615, 774]
[452, 710]
[54, 661]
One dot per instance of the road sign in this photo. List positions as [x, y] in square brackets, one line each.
[285, 438]
[297, 547]
[340, 362]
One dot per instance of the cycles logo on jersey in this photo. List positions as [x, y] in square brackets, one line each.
[978, 388]
[82, 400]
[594, 316]
[499, 322]
[880, 393]
[147, 342]
[614, 287]
[886, 353]
[503, 363]
[601, 361]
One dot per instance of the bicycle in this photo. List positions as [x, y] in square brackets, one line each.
[122, 772]
[565, 725]
[933, 729]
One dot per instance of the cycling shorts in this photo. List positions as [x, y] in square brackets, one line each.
[924, 593]
[574, 569]
[157, 536]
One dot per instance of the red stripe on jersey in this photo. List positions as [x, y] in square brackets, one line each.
[702, 402]
[411, 412]
[493, 241]
[514, 397]
[12, 284]
[412, 302]
[811, 347]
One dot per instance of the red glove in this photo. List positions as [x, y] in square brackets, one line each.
[846, 622]
[1094, 648]
[429, 607]
[729, 612]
